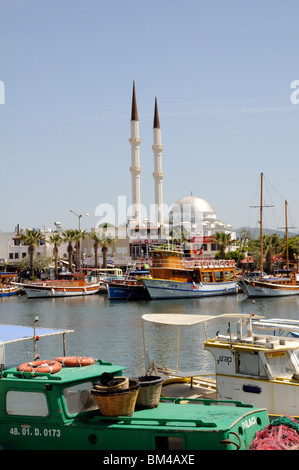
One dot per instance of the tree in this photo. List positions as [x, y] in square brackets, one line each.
[96, 242]
[70, 236]
[55, 240]
[272, 245]
[31, 238]
[105, 241]
[223, 240]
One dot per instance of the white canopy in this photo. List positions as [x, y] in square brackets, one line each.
[177, 319]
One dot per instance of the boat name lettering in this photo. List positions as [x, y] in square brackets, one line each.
[276, 354]
[36, 432]
[224, 359]
[249, 422]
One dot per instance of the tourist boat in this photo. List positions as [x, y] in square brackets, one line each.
[67, 285]
[52, 406]
[6, 287]
[174, 277]
[129, 287]
[285, 281]
[251, 364]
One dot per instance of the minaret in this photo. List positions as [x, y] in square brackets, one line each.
[158, 174]
[135, 168]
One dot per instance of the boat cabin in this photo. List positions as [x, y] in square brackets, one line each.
[259, 368]
[170, 264]
[6, 278]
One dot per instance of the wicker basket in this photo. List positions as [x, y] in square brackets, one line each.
[117, 402]
[120, 384]
[150, 391]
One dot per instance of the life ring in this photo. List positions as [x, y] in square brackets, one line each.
[74, 361]
[50, 367]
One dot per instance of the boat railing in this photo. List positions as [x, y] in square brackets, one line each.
[190, 264]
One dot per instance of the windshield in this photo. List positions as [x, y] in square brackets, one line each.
[78, 398]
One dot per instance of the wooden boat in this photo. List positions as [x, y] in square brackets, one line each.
[173, 277]
[130, 287]
[250, 365]
[6, 287]
[67, 285]
[59, 411]
[283, 284]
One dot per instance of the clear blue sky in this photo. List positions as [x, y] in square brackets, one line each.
[221, 71]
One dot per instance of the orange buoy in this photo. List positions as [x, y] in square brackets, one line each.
[49, 367]
[75, 361]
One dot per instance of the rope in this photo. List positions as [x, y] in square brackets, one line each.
[281, 434]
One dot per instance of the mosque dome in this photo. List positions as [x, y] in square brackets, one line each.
[196, 204]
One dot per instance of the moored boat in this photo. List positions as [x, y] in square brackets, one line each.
[253, 366]
[56, 409]
[130, 287]
[67, 285]
[173, 277]
[283, 284]
[8, 289]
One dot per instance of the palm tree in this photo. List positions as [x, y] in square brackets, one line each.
[79, 235]
[32, 239]
[224, 241]
[56, 240]
[70, 236]
[105, 241]
[272, 246]
[96, 242]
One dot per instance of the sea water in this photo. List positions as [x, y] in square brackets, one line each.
[112, 330]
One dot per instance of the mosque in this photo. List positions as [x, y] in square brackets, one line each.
[194, 214]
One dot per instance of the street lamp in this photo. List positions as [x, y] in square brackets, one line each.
[79, 243]
[79, 216]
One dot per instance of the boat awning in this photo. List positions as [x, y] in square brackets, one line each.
[177, 319]
[15, 333]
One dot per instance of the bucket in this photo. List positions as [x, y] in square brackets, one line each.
[150, 391]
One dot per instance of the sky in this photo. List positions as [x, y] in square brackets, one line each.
[222, 72]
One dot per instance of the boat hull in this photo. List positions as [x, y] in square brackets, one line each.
[126, 292]
[267, 289]
[165, 289]
[52, 292]
[8, 292]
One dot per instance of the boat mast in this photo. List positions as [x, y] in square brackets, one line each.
[287, 239]
[261, 226]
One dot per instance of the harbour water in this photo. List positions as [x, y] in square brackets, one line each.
[112, 330]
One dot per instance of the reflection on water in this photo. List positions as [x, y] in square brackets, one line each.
[112, 330]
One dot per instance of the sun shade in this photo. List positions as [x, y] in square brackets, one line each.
[184, 320]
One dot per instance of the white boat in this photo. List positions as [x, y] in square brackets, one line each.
[173, 277]
[284, 285]
[67, 285]
[251, 365]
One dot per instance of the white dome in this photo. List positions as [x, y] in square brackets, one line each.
[196, 204]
